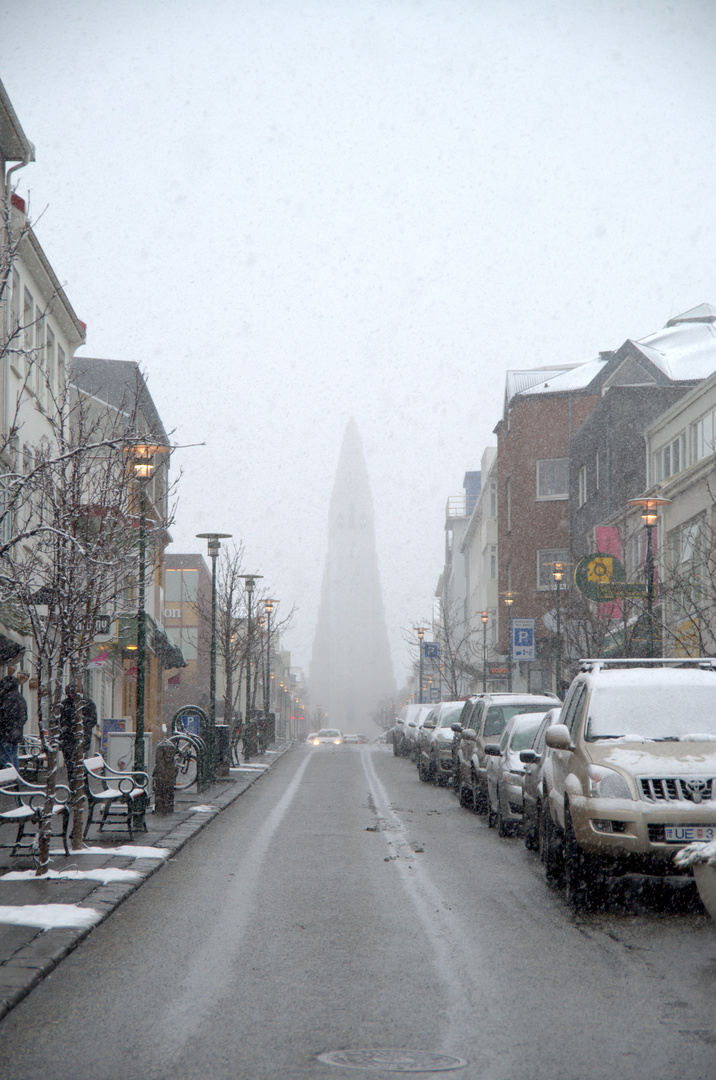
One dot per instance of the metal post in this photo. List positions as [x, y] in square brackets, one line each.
[558, 663]
[509, 601]
[141, 633]
[214, 545]
[649, 590]
[484, 618]
[421, 635]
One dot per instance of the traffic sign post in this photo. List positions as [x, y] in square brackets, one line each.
[524, 639]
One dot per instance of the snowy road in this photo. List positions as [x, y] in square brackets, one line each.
[342, 905]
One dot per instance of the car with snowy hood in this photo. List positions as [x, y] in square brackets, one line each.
[485, 724]
[506, 771]
[435, 742]
[630, 771]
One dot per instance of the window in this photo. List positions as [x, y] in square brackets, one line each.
[39, 380]
[180, 585]
[582, 486]
[702, 437]
[29, 307]
[60, 368]
[190, 584]
[493, 562]
[545, 565]
[50, 353]
[553, 478]
[15, 311]
[493, 499]
[189, 642]
[172, 585]
[670, 459]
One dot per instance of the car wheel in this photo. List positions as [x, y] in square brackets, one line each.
[480, 802]
[529, 832]
[503, 827]
[423, 771]
[464, 795]
[552, 855]
[583, 873]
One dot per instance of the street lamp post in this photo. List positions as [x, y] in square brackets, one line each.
[250, 580]
[214, 544]
[142, 455]
[421, 634]
[649, 513]
[485, 616]
[268, 608]
[558, 575]
[509, 599]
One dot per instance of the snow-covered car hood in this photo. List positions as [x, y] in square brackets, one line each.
[640, 757]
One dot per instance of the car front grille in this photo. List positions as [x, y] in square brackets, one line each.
[678, 788]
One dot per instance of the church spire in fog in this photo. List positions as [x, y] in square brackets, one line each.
[351, 668]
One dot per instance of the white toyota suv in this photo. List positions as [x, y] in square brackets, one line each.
[629, 774]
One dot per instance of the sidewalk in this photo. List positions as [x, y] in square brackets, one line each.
[43, 919]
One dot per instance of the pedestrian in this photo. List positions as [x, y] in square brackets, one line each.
[73, 702]
[13, 716]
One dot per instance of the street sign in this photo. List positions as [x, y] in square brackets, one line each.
[523, 639]
[434, 693]
[431, 650]
[620, 590]
[593, 572]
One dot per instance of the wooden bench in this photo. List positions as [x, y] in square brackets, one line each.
[122, 797]
[29, 800]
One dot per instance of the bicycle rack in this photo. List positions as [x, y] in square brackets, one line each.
[192, 714]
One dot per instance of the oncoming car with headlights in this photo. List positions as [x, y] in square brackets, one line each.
[327, 737]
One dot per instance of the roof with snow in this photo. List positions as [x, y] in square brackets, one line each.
[683, 351]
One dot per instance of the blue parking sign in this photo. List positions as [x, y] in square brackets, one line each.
[523, 639]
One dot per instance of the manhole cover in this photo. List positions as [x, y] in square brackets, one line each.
[392, 1060]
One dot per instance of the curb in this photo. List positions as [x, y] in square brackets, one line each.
[32, 960]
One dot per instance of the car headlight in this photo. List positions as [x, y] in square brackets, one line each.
[607, 783]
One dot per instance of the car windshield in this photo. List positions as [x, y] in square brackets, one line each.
[524, 737]
[328, 732]
[498, 715]
[451, 715]
[663, 709]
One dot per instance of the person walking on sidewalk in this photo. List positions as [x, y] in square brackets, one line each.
[13, 716]
[72, 702]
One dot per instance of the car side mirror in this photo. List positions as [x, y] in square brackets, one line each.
[469, 733]
[492, 749]
[529, 757]
[457, 728]
[428, 726]
[558, 738]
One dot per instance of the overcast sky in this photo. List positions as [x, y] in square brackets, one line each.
[289, 212]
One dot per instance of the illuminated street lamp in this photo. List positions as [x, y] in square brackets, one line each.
[558, 575]
[142, 456]
[420, 630]
[214, 544]
[268, 608]
[509, 599]
[649, 514]
[485, 616]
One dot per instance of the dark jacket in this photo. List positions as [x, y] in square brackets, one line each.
[89, 720]
[13, 710]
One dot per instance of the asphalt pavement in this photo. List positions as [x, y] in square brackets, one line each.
[30, 952]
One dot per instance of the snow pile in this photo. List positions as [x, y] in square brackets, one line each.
[50, 916]
[130, 851]
[698, 852]
[205, 810]
[106, 875]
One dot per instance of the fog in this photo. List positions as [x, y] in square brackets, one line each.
[290, 213]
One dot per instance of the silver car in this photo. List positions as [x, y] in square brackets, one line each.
[506, 771]
[436, 741]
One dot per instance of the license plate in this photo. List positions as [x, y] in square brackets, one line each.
[685, 834]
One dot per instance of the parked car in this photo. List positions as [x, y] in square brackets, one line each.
[351, 739]
[412, 730]
[486, 723]
[463, 721]
[629, 772]
[364, 738]
[506, 772]
[327, 736]
[435, 742]
[532, 784]
[401, 743]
